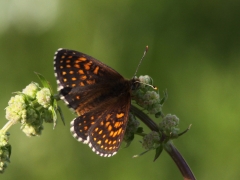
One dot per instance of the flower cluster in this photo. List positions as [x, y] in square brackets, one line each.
[146, 97]
[169, 125]
[132, 128]
[31, 108]
[151, 140]
[5, 151]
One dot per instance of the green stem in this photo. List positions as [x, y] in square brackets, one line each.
[7, 126]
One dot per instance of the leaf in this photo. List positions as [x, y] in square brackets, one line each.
[158, 152]
[44, 82]
[61, 114]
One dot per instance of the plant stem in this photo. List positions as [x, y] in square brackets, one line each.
[7, 126]
[144, 118]
[169, 147]
[179, 161]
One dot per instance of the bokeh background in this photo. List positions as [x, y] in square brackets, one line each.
[193, 52]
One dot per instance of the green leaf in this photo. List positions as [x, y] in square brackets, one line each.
[54, 116]
[61, 114]
[158, 152]
[164, 97]
[44, 82]
[139, 130]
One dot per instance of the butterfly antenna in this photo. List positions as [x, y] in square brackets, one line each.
[146, 50]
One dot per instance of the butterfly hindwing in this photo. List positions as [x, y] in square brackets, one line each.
[103, 129]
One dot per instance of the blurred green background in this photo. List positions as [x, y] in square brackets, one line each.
[193, 52]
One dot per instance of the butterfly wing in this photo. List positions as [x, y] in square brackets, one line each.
[100, 96]
[82, 79]
[103, 129]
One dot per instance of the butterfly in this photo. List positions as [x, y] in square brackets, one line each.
[99, 95]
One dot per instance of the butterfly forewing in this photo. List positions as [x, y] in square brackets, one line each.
[100, 96]
[76, 71]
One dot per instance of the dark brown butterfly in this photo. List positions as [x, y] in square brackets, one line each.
[100, 96]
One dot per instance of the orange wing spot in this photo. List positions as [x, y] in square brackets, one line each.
[99, 142]
[84, 122]
[111, 133]
[115, 133]
[119, 131]
[109, 128]
[91, 81]
[108, 116]
[64, 73]
[95, 71]
[85, 128]
[107, 123]
[101, 123]
[87, 66]
[82, 59]
[61, 67]
[100, 132]
[110, 148]
[77, 66]
[92, 118]
[81, 71]
[73, 85]
[120, 115]
[114, 147]
[63, 57]
[83, 77]
[104, 136]
[114, 142]
[117, 124]
[94, 139]
[71, 72]
[68, 61]
[82, 84]
[105, 148]
[101, 146]
[61, 61]
[106, 140]
[74, 79]
[68, 66]
[65, 80]
[92, 123]
[96, 129]
[110, 142]
[77, 97]
[69, 57]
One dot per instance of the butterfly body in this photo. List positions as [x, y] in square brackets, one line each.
[100, 96]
